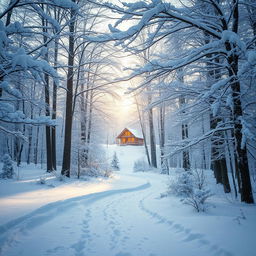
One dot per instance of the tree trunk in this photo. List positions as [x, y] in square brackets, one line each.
[36, 146]
[216, 166]
[164, 163]
[78, 164]
[219, 165]
[86, 118]
[224, 176]
[83, 123]
[48, 128]
[184, 133]
[88, 140]
[54, 107]
[49, 167]
[83, 105]
[203, 149]
[143, 130]
[152, 138]
[30, 136]
[229, 159]
[69, 100]
[18, 143]
[242, 159]
[185, 153]
[37, 142]
[184, 126]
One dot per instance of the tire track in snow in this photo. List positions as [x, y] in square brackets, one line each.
[11, 231]
[187, 234]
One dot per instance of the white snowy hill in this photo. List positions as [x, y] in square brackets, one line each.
[121, 216]
[127, 155]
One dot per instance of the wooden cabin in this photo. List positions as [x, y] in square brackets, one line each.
[129, 137]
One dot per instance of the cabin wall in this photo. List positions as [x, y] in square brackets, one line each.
[127, 138]
[130, 141]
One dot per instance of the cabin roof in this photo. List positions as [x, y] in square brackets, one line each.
[136, 133]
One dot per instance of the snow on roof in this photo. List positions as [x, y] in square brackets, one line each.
[136, 133]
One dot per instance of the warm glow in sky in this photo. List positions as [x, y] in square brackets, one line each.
[127, 103]
[125, 109]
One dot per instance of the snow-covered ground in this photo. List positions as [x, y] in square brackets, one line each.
[127, 155]
[121, 216]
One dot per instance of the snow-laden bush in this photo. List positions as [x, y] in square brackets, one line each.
[199, 178]
[58, 176]
[96, 171]
[164, 169]
[182, 184]
[140, 165]
[96, 164]
[115, 163]
[7, 170]
[41, 181]
[61, 177]
[190, 186]
[197, 199]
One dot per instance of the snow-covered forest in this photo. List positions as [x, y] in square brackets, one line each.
[75, 73]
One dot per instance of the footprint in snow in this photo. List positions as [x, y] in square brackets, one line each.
[55, 250]
[188, 235]
[79, 247]
[123, 254]
[192, 237]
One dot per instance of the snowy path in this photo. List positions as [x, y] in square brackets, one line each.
[116, 222]
[121, 216]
